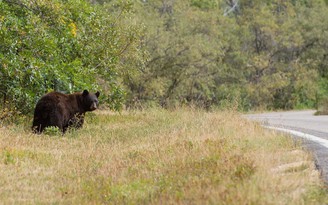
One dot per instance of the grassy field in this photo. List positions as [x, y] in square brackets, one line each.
[157, 157]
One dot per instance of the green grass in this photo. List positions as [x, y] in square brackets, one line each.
[157, 157]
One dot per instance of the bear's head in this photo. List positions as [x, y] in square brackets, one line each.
[90, 100]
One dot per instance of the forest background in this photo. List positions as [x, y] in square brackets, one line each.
[256, 54]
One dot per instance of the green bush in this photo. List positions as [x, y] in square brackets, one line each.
[61, 45]
[52, 131]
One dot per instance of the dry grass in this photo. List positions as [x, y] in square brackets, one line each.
[322, 107]
[157, 157]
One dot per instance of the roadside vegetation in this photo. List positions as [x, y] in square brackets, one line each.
[322, 108]
[185, 156]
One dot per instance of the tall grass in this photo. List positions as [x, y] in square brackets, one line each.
[157, 157]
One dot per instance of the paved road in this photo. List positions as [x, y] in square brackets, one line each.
[313, 130]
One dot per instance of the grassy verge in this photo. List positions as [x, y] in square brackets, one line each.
[322, 107]
[157, 157]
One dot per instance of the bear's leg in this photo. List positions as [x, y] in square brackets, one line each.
[38, 125]
[37, 128]
[56, 121]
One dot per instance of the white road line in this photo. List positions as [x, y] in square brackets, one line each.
[313, 138]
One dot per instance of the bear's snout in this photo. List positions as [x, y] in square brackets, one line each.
[93, 106]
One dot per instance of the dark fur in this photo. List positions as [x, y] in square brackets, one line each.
[63, 111]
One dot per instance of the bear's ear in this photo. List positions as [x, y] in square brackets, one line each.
[97, 94]
[85, 93]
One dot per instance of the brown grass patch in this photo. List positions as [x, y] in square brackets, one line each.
[158, 157]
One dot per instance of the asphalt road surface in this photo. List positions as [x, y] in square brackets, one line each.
[303, 125]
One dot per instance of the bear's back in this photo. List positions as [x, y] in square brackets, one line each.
[52, 99]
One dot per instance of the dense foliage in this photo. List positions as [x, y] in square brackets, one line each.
[60, 45]
[268, 54]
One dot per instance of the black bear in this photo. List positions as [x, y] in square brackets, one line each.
[63, 111]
